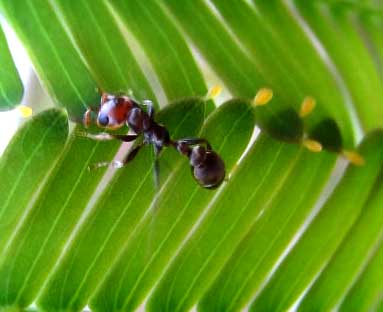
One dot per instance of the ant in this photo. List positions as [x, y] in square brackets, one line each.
[115, 111]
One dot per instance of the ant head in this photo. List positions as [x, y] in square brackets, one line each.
[112, 115]
[207, 167]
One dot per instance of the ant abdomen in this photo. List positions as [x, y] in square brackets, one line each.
[207, 167]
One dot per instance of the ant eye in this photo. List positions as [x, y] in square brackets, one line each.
[103, 120]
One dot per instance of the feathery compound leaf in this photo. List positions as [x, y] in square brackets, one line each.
[230, 216]
[326, 232]
[37, 245]
[67, 241]
[258, 252]
[345, 265]
[286, 57]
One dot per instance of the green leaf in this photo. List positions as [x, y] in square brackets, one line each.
[366, 292]
[362, 238]
[274, 39]
[229, 218]
[164, 46]
[11, 88]
[102, 44]
[54, 57]
[258, 252]
[337, 33]
[232, 65]
[317, 245]
[24, 165]
[372, 26]
[271, 232]
[231, 62]
[42, 235]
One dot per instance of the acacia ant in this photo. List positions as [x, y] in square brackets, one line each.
[115, 111]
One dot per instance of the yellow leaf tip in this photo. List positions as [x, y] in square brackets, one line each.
[25, 111]
[312, 145]
[263, 96]
[307, 106]
[354, 157]
[214, 92]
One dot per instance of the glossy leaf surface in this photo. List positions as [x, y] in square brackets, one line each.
[287, 224]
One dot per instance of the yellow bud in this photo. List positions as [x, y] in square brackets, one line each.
[312, 145]
[354, 158]
[263, 96]
[25, 111]
[214, 92]
[307, 107]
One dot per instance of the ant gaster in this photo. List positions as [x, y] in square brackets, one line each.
[117, 110]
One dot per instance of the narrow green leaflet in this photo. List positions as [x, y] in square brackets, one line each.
[57, 62]
[233, 66]
[42, 236]
[11, 88]
[372, 24]
[340, 37]
[26, 161]
[178, 207]
[350, 258]
[367, 291]
[230, 217]
[164, 46]
[120, 208]
[105, 49]
[316, 246]
[262, 246]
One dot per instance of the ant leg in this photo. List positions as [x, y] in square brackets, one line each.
[99, 91]
[194, 141]
[132, 154]
[156, 171]
[86, 120]
[149, 105]
[117, 163]
[107, 136]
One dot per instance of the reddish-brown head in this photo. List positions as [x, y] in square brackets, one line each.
[114, 111]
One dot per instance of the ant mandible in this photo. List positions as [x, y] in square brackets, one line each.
[115, 111]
